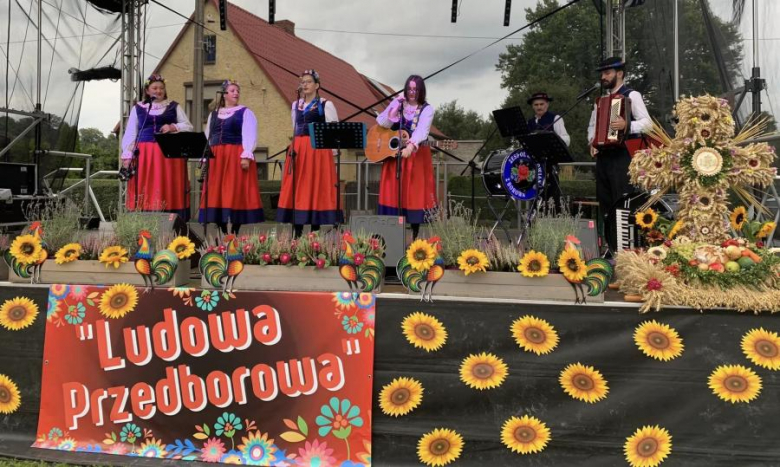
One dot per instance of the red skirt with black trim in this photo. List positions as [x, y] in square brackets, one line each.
[315, 187]
[161, 183]
[418, 189]
[232, 193]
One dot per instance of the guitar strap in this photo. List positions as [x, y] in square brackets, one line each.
[416, 118]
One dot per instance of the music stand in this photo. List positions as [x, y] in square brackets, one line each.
[511, 122]
[184, 145]
[338, 136]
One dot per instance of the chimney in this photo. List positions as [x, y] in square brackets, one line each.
[286, 25]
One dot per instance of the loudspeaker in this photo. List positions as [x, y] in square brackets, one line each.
[168, 222]
[388, 229]
[21, 179]
[588, 233]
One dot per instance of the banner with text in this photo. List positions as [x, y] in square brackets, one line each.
[260, 378]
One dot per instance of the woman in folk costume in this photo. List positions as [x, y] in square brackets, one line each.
[313, 182]
[232, 193]
[418, 189]
[159, 184]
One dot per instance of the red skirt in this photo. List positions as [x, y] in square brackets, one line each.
[161, 183]
[418, 187]
[315, 187]
[232, 194]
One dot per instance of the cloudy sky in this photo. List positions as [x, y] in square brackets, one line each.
[382, 40]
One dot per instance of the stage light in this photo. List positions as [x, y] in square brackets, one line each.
[454, 17]
[223, 15]
[507, 9]
[271, 11]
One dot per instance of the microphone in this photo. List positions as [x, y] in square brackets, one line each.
[588, 91]
[150, 99]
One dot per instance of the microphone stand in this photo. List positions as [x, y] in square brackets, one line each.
[560, 116]
[137, 153]
[398, 170]
[473, 166]
[205, 165]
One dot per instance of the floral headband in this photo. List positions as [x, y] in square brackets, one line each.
[228, 82]
[154, 77]
[313, 74]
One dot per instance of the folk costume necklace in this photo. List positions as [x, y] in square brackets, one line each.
[416, 117]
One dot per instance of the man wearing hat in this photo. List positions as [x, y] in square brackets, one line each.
[612, 180]
[543, 119]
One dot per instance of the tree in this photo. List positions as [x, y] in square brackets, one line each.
[104, 149]
[461, 124]
[559, 56]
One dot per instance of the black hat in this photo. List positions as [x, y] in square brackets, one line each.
[615, 63]
[539, 95]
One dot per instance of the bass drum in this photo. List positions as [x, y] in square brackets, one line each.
[623, 216]
[512, 173]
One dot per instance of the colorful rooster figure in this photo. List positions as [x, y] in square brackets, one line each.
[366, 270]
[157, 268]
[595, 274]
[29, 270]
[422, 281]
[221, 270]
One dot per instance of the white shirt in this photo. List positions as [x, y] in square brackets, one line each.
[248, 129]
[559, 129]
[641, 123]
[131, 130]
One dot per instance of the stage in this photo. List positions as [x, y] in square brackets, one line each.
[641, 391]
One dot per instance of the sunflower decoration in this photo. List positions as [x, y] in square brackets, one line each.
[182, 246]
[534, 335]
[18, 313]
[483, 371]
[526, 435]
[584, 383]
[420, 255]
[735, 383]
[114, 256]
[68, 253]
[738, 217]
[646, 219]
[424, 331]
[534, 264]
[572, 266]
[648, 446]
[26, 249]
[471, 261]
[440, 447]
[658, 341]
[10, 397]
[765, 230]
[400, 396]
[675, 229]
[118, 301]
[762, 347]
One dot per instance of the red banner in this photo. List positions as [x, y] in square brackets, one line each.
[252, 378]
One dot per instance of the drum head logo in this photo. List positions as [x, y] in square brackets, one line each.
[523, 177]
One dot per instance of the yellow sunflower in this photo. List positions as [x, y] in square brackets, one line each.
[646, 219]
[675, 229]
[534, 335]
[68, 253]
[18, 313]
[658, 341]
[10, 398]
[765, 230]
[26, 249]
[440, 447]
[738, 217]
[584, 383]
[483, 371]
[534, 264]
[424, 331]
[760, 347]
[735, 383]
[118, 301]
[182, 246]
[400, 396]
[113, 256]
[420, 255]
[472, 261]
[572, 266]
[525, 435]
[648, 446]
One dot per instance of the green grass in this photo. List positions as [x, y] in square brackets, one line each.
[5, 462]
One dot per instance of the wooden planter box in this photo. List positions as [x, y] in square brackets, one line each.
[289, 278]
[93, 272]
[509, 285]
[3, 270]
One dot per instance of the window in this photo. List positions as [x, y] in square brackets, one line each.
[210, 89]
[210, 50]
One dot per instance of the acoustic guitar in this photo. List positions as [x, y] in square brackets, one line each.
[382, 143]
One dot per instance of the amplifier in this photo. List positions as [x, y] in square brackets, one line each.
[587, 233]
[388, 229]
[19, 178]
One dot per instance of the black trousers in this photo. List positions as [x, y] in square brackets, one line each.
[612, 182]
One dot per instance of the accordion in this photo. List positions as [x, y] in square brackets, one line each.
[608, 109]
